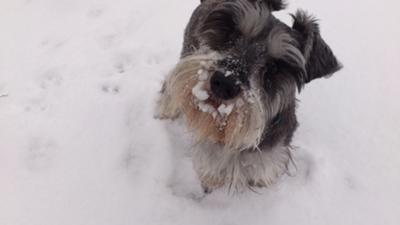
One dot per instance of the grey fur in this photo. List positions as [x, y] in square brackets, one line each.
[282, 45]
[238, 170]
[269, 61]
[320, 59]
[251, 18]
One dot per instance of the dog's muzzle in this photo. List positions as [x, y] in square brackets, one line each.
[224, 87]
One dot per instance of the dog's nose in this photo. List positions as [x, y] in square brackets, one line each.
[224, 87]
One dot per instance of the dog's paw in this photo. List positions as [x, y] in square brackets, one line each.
[207, 190]
[257, 184]
[209, 184]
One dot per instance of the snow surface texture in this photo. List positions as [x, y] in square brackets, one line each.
[79, 146]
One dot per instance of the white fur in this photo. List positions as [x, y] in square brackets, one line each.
[248, 132]
[237, 169]
[231, 163]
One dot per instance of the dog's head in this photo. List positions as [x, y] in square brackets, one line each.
[241, 67]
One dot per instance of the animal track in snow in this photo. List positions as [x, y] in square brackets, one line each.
[50, 79]
[3, 94]
[303, 166]
[350, 182]
[123, 62]
[36, 105]
[52, 44]
[95, 13]
[112, 89]
[40, 153]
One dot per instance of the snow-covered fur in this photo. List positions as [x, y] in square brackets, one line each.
[235, 87]
[237, 124]
[218, 166]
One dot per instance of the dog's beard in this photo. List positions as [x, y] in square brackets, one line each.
[236, 124]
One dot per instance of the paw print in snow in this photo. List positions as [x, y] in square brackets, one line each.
[51, 44]
[36, 105]
[50, 79]
[95, 13]
[111, 89]
[123, 63]
[350, 182]
[40, 153]
[3, 94]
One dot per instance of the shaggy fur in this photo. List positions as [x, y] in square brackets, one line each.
[235, 88]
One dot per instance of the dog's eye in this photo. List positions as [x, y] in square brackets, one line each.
[271, 68]
[282, 68]
[268, 74]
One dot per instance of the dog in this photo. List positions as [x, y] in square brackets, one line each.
[235, 88]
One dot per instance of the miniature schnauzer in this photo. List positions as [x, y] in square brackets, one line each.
[235, 88]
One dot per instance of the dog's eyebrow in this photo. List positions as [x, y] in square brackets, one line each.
[251, 18]
[281, 45]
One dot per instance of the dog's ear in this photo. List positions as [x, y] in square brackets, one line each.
[320, 60]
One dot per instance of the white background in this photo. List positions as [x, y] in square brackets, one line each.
[79, 146]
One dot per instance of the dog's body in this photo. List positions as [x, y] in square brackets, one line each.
[235, 88]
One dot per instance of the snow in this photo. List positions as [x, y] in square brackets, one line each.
[199, 92]
[79, 145]
[207, 108]
[228, 73]
[203, 75]
[225, 109]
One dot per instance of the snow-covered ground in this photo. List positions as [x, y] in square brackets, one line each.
[79, 146]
